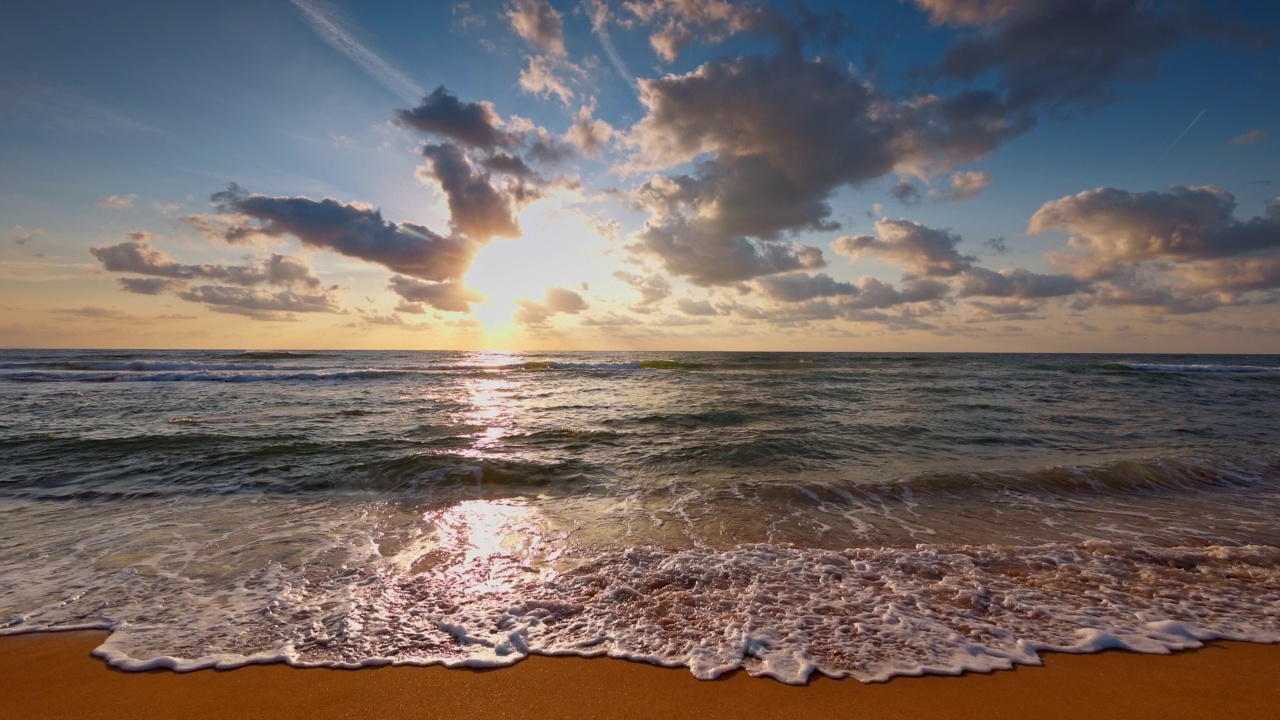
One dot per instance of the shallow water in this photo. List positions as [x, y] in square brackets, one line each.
[851, 514]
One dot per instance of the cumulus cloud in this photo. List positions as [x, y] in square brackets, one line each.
[444, 296]
[353, 230]
[795, 287]
[679, 22]
[118, 202]
[1113, 229]
[772, 138]
[548, 75]
[473, 124]
[539, 24]
[1250, 137]
[968, 185]
[477, 209]
[1016, 283]
[587, 133]
[922, 250]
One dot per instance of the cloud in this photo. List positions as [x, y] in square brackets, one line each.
[796, 287]
[443, 296]
[556, 301]
[151, 285]
[922, 250]
[353, 230]
[143, 259]
[906, 193]
[1112, 230]
[99, 313]
[967, 12]
[118, 202]
[260, 304]
[340, 33]
[600, 17]
[1250, 137]
[473, 124]
[772, 138]
[539, 24]
[1060, 53]
[546, 76]
[562, 300]
[411, 308]
[689, 306]
[589, 134]
[512, 165]
[968, 185]
[1017, 283]
[679, 22]
[476, 208]
[22, 236]
[608, 320]
[1229, 276]
[653, 288]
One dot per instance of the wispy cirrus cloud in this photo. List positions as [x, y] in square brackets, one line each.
[338, 31]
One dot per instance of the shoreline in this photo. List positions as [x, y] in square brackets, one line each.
[53, 675]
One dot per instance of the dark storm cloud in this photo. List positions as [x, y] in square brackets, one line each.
[1112, 230]
[473, 124]
[444, 296]
[477, 209]
[921, 250]
[353, 230]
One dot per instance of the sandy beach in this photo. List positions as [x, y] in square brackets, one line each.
[54, 676]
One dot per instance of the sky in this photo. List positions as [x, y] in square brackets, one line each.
[896, 175]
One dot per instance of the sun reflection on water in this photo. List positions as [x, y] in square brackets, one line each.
[488, 545]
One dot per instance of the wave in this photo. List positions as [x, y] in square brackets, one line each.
[772, 610]
[1192, 368]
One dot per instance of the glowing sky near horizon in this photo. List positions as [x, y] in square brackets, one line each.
[923, 175]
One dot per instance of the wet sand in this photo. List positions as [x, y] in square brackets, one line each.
[52, 675]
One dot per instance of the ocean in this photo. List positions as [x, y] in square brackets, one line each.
[852, 514]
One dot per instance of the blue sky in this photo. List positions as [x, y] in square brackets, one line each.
[705, 209]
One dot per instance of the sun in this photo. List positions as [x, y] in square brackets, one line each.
[560, 248]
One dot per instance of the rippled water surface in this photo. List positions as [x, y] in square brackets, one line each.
[853, 514]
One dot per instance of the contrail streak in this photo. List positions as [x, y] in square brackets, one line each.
[599, 19]
[1184, 133]
[328, 22]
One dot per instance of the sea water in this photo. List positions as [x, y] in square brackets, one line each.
[861, 515]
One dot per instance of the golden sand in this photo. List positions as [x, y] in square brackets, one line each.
[53, 676]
